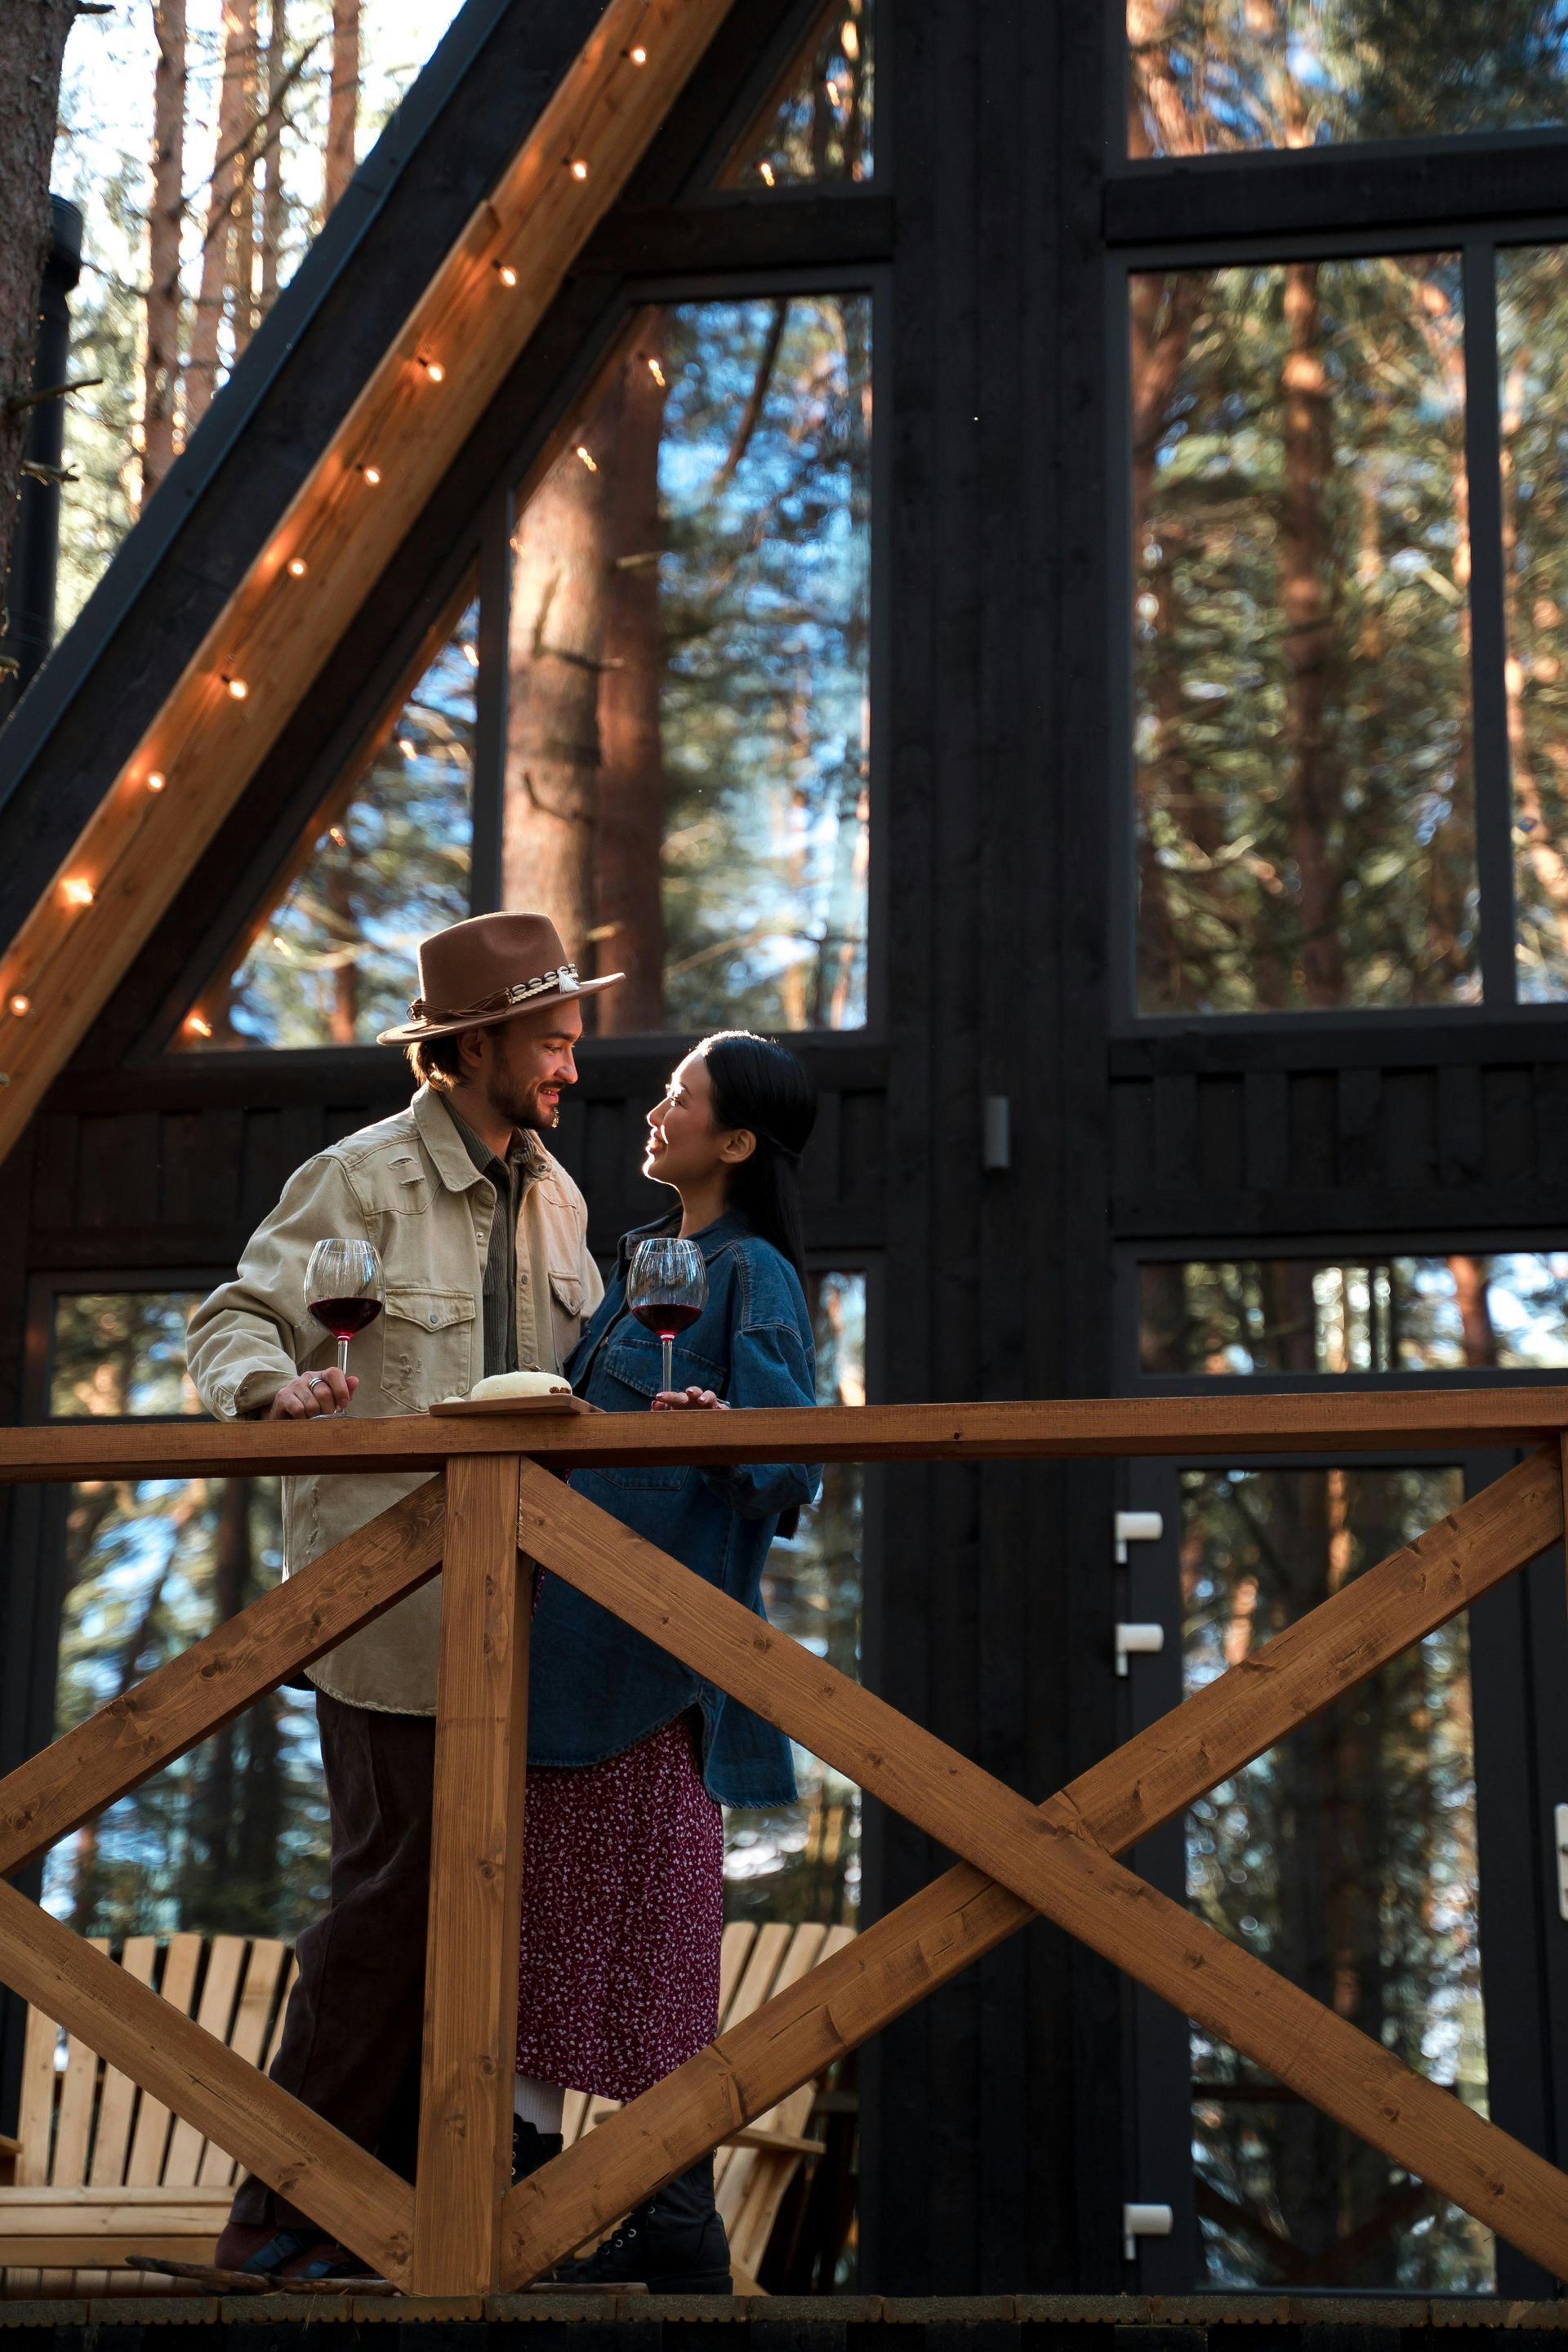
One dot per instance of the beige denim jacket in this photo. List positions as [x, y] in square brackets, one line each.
[409, 1186]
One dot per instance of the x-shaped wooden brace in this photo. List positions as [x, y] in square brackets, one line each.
[1018, 1860]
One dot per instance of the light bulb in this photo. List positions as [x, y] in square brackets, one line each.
[638, 56]
[335, 833]
[79, 891]
[156, 781]
[579, 169]
[657, 373]
[472, 655]
[767, 173]
[434, 369]
[405, 745]
[238, 688]
[197, 1026]
[506, 273]
[298, 567]
[21, 1004]
[587, 459]
[372, 473]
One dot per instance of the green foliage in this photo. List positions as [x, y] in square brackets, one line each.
[1301, 643]
[764, 478]
[1346, 1859]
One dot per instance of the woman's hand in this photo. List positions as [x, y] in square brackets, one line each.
[309, 1393]
[688, 1401]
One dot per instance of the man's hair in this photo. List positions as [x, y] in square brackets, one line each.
[438, 1062]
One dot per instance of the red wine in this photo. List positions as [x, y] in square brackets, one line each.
[666, 1319]
[344, 1317]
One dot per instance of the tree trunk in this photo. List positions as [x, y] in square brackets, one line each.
[1308, 638]
[343, 112]
[274, 211]
[627, 880]
[32, 44]
[561, 571]
[238, 50]
[1475, 1312]
[242, 271]
[161, 365]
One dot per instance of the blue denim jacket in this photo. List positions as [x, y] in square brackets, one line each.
[595, 1687]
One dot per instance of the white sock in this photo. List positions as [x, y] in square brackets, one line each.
[536, 2103]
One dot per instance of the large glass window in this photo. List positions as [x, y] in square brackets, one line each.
[819, 127]
[1303, 752]
[1532, 368]
[1225, 1317]
[803, 1861]
[686, 786]
[1207, 76]
[1346, 1859]
[233, 1836]
[331, 960]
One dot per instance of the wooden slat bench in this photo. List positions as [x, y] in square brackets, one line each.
[98, 2170]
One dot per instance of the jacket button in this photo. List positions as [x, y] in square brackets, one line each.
[432, 1318]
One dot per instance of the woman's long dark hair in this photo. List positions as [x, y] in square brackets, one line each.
[761, 1085]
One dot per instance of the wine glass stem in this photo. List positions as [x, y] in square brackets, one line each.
[666, 1340]
[343, 1358]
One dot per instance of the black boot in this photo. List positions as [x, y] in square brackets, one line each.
[675, 2243]
[530, 2148]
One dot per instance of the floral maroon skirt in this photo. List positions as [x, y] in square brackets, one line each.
[622, 1917]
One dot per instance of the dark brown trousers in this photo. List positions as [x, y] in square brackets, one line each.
[352, 2037]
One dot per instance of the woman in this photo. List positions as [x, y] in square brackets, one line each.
[631, 1756]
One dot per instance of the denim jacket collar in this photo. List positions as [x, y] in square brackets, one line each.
[731, 1226]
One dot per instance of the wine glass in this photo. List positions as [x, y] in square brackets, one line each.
[343, 1290]
[666, 1289]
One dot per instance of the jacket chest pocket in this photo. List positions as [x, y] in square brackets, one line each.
[427, 1342]
[637, 1366]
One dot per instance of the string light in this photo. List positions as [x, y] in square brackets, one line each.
[335, 833]
[766, 170]
[238, 688]
[578, 169]
[471, 655]
[657, 373]
[197, 1026]
[372, 473]
[79, 891]
[156, 781]
[405, 745]
[21, 1005]
[434, 369]
[638, 56]
[588, 460]
[506, 273]
[298, 567]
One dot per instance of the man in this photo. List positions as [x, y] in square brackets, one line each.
[483, 1239]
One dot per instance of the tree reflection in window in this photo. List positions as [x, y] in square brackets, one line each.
[233, 1836]
[1303, 752]
[1212, 74]
[1225, 1317]
[688, 755]
[385, 862]
[819, 128]
[1346, 1859]
[803, 1861]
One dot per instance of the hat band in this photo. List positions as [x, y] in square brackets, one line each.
[564, 979]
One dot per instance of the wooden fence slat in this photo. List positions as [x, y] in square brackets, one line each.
[209, 1684]
[898, 1960]
[1348, 1420]
[220, 1989]
[153, 2121]
[130, 2027]
[269, 1957]
[475, 1887]
[73, 2111]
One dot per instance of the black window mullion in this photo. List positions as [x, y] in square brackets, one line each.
[490, 705]
[1494, 810]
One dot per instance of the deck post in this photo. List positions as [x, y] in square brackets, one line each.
[476, 1872]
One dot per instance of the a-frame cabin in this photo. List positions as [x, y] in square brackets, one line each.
[465, 595]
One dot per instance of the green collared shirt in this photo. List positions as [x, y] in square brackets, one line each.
[510, 1177]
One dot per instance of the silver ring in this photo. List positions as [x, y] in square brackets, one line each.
[315, 1379]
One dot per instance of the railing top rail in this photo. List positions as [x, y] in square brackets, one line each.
[1344, 1420]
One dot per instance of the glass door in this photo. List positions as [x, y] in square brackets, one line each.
[1387, 1856]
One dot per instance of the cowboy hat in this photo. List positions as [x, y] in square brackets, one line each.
[491, 968]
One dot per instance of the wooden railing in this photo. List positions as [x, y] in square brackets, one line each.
[465, 2230]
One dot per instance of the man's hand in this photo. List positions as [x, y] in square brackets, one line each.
[309, 1393]
[688, 1401]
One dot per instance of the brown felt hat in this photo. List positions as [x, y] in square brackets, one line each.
[491, 968]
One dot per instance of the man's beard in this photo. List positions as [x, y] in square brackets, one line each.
[528, 1113]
